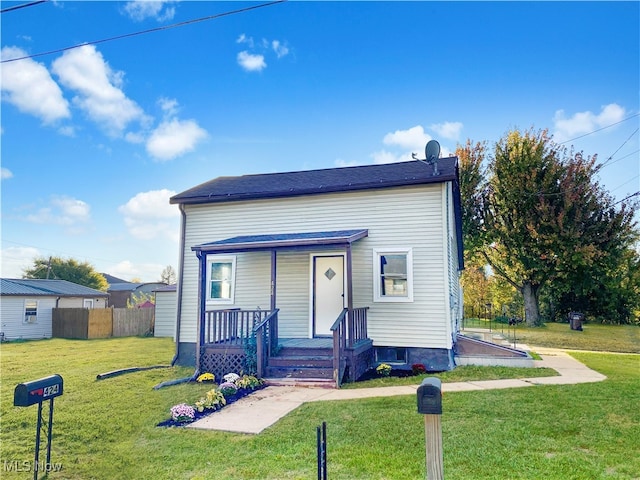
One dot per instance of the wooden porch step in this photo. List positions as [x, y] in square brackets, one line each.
[299, 372]
[305, 351]
[322, 361]
[301, 382]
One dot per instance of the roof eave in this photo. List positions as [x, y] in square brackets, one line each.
[317, 191]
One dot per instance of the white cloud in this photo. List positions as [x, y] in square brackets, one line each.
[173, 138]
[414, 138]
[15, 260]
[85, 71]
[149, 215]
[5, 173]
[585, 122]
[384, 156]
[448, 130]
[169, 106]
[143, 9]
[28, 85]
[149, 272]
[281, 50]
[251, 62]
[243, 39]
[62, 210]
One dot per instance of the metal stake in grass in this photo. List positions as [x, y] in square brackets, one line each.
[321, 441]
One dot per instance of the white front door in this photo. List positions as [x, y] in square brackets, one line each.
[328, 292]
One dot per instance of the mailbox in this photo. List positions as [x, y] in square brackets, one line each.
[37, 391]
[430, 396]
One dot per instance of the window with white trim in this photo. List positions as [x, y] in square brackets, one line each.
[393, 275]
[221, 273]
[30, 311]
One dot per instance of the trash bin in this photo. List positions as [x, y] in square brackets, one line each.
[575, 320]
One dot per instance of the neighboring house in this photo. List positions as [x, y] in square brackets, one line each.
[165, 314]
[361, 263]
[121, 292]
[26, 305]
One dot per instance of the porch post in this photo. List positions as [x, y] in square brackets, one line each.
[350, 326]
[202, 274]
[273, 280]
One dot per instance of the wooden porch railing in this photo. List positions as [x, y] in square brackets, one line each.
[266, 332]
[231, 326]
[348, 330]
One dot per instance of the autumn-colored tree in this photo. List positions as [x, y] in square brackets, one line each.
[473, 195]
[81, 273]
[546, 218]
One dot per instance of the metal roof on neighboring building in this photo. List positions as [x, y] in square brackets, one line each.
[308, 182]
[40, 287]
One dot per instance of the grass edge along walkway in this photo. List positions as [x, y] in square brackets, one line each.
[263, 409]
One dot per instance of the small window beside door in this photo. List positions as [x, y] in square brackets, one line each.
[393, 275]
[221, 273]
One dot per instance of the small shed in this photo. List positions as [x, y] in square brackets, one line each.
[166, 311]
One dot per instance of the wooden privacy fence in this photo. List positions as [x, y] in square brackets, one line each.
[102, 322]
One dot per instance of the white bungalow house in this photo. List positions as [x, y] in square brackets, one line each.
[332, 270]
[26, 305]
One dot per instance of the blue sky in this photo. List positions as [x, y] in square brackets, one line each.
[96, 139]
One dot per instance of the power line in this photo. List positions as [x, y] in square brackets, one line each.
[151, 30]
[24, 5]
[627, 198]
[600, 129]
[619, 148]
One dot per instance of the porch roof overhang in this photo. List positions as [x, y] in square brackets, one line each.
[279, 241]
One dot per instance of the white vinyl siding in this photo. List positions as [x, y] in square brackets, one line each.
[165, 314]
[406, 216]
[12, 317]
[79, 302]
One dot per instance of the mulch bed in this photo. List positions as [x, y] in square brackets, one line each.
[371, 374]
[242, 392]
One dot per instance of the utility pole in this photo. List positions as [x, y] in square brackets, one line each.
[48, 268]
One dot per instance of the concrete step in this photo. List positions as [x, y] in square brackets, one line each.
[301, 382]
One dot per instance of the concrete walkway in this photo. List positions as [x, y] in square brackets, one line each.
[260, 410]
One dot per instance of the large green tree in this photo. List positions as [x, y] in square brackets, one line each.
[471, 159]
[70, 269]
[546, 219]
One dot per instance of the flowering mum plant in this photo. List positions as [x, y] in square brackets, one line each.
[206, 377]
[231, 377]
[418, 368]
[228, 388]
[384, 369]
[213, 399]
[183, 413]
[248, 381]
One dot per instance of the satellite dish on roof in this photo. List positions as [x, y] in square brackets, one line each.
[432, 154]
[432, 151]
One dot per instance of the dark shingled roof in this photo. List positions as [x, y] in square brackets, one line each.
[308, 182]
[37, 287]
[282, 240]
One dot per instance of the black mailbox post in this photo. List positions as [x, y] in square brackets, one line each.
[38, 391]
[430, 405]
[430, 396]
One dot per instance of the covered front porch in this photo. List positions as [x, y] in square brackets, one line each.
[336, 346]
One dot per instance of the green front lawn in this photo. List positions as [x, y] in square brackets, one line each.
[106, 429]
[593, 337]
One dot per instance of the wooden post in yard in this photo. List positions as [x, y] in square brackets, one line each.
[430, 404]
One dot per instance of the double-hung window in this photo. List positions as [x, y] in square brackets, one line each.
[221, 272]
[393, 275]
[30, 311]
